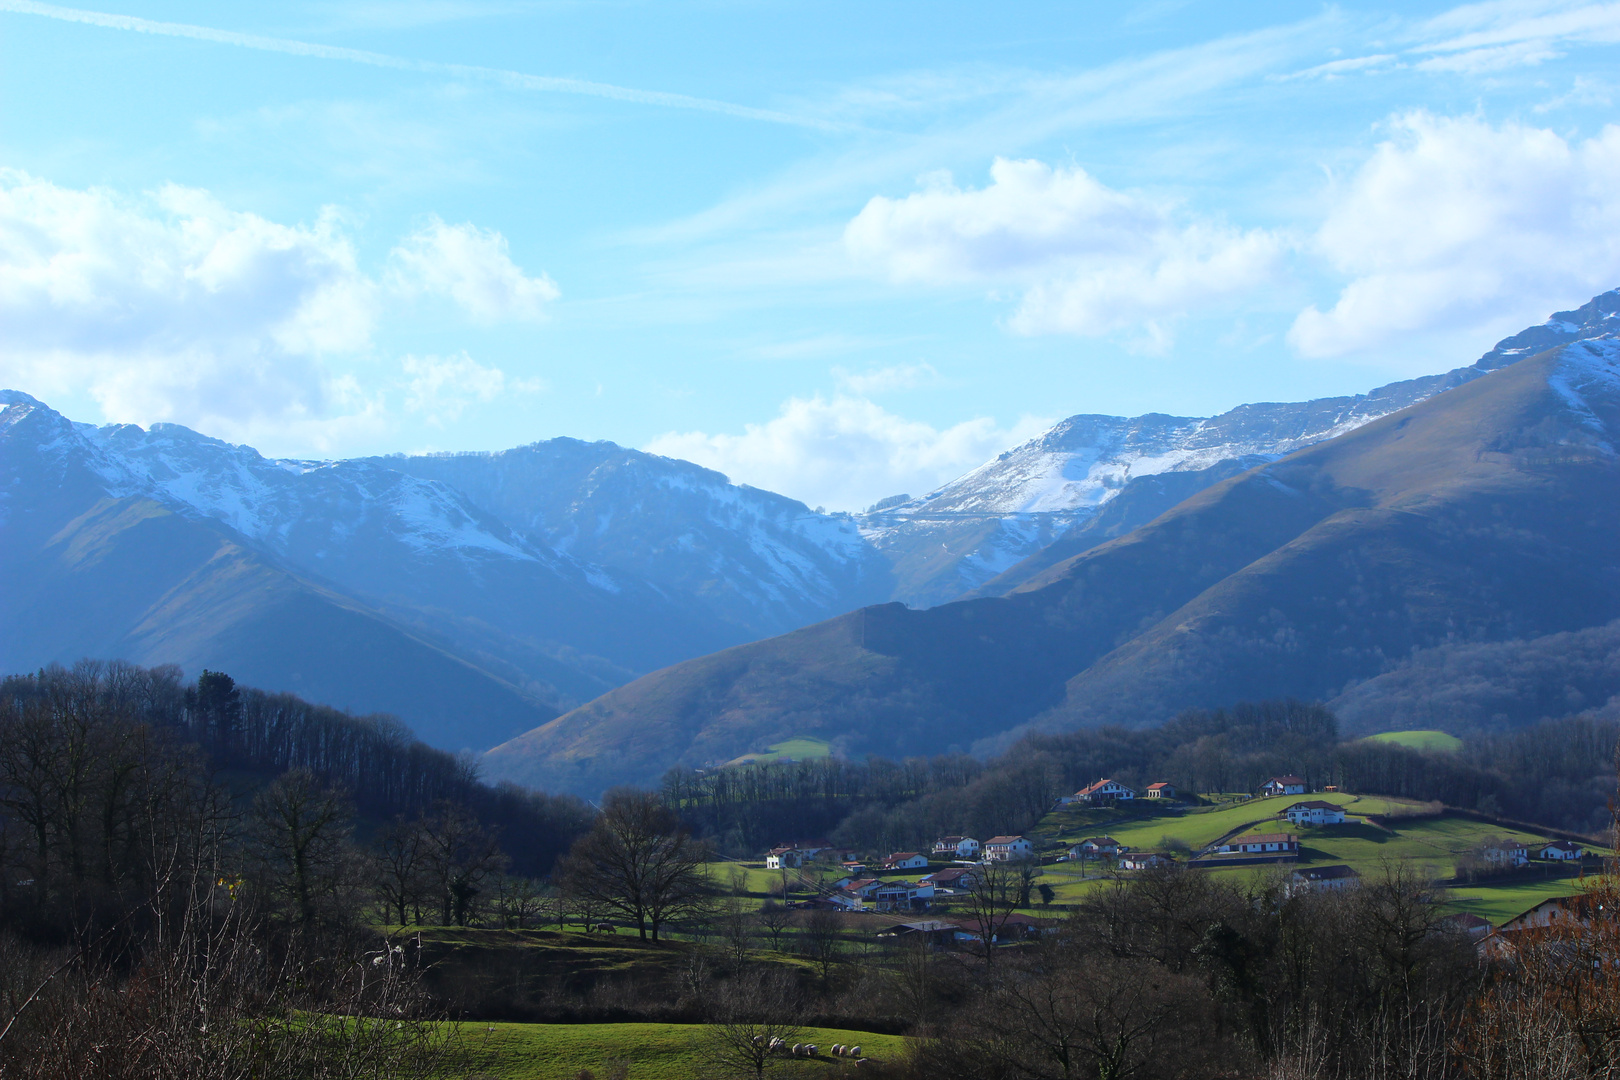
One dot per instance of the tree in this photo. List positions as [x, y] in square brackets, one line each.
[822, 940]
[399, 866]
[774, 919]
[639, 860]
[458, 855]
[746, 1014]
[991, 897]
[298, 834]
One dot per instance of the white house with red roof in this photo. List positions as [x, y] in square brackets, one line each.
[906, 860]
[1007, 849]
[1104, 791]
[1261, 844]
[961, 878]
[1315, 812]
[1283, 785]
[1162, 790]
[1097, 847]
[785, 858]
[1560, 849]
[957, 847]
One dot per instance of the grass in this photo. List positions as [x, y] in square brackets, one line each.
[653, 1051]
[1499, 903]
[1420, 740]
[799, 747]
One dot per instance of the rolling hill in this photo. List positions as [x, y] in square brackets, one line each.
[1486, 513]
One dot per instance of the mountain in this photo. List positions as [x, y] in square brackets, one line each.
[1484, 513]
[756, 560]
[554, 572]
[1091, 478]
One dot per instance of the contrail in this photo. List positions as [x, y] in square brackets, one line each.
[515, 79]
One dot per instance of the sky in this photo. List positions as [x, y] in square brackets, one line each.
[837, 250]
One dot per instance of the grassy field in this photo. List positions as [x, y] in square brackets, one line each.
[799, 748]
[1420, 740]
[1410, 831]
[652, 1051]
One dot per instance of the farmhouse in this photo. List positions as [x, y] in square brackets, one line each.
[1558, 911]
[1162, 790]
[1096, 847]
[1283, 785]
[1007, 849]
[784, 858]
[1314, 812]
[901, 896]
[1144, 860]
[1323, 878]
[934, 931]
[1504, 853]
[957, 877]
[905, 860]
[1560, 849]
[1104, 792]
[957, 847]
[1261, 844]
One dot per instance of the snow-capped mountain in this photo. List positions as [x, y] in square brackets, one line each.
[958, 538]
[759, 560]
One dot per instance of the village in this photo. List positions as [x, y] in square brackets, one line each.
[951, 889]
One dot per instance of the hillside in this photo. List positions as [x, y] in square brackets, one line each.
[1482, 514]
[1092, 478]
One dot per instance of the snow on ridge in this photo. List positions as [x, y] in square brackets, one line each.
[1587, 369]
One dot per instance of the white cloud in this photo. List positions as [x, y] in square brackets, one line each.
[1090, 260]
[845, 452]
[1456, 223]
[171, 306]
[884, 380]
[1477, 38]
[472, 267]
[441, 388]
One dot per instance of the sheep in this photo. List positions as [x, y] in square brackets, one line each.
[810, 1050]
[798, 1049]
[838, 1050]
[854, 1051]
[776, 1043]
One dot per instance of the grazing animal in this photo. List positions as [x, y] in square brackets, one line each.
[810, 1050]
[855, 1051]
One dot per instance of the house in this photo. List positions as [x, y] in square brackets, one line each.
[901, 896]
[1323, 879]
[934, 931]
[961, 878]
[1007, 849]
[863, 887]
[1504, 853]
[1104, 791]
[1558, 911]
[837, 900]
[1261, 844]
[1315, 812]
[1162, 790]
[1144, 860]
[956, 847]
[905, 860]
[784, 858]
[1097, 847]
[1560, 849]
[1283, 785]
[853, 869]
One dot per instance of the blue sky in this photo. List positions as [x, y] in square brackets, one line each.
[837, 250]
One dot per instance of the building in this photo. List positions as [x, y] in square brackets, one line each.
[1103, 792]
[1504, 853]
[901, 896]
[1261, 844]
[1315, 812]
[1467, 923]
[1283, 785]
[906, 860]
[1007, 849]
[1144, 860]
[1097, 847]
[1558, 911]
[1560, 849]
[862, 887]
[959, 878]
[1162, 790]
[934, 931]
[957, 847]
[1323, 879]
[785, 858]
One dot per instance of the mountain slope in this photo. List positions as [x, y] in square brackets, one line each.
[85, 573]
[1484, 513]
[759, 561]
[970, 536]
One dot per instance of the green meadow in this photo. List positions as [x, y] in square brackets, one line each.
[799, 747]
[651, 1051]
[1420, 740]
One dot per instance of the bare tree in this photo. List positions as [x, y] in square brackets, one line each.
[458, 854]
[992, 896]
[774, 919]
[399, 867]
[298, 834]
[639, 860]
[822, 940]
[749, 1016]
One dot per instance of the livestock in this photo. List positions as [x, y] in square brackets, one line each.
[607, 928]
[854, 1051]
[798, 1049]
